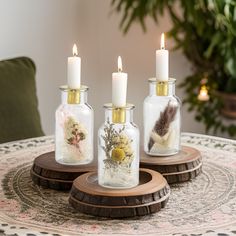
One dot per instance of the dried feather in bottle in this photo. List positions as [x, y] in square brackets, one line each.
[162, 125]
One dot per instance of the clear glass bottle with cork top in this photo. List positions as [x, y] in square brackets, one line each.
[74, 120]
[118, 140]
[161, 110]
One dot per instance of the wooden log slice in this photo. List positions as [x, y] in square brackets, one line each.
[152, 194]
[47, 173]
[184, 166]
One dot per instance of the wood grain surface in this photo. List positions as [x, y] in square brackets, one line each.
[47, 173]
[149, 196]
[184, 166]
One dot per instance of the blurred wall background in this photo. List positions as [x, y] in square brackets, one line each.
[45, 30]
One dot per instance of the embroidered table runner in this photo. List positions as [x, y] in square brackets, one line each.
[205, 205]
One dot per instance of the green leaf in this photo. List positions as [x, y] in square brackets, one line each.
[231, 66]
[227, 11]
[216, 39]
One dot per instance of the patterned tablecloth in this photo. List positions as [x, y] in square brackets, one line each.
[204, 206]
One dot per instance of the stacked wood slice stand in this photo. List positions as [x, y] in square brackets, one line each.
[184, 166]
[148, 197]
[47, 173]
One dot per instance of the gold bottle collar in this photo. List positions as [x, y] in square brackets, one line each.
[73, 95]
[162, 88]
[119, 113]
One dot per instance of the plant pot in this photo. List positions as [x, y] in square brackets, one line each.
[229, 104]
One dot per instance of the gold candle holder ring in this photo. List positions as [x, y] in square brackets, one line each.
[73, 96]
[162, 88]
[118, 115]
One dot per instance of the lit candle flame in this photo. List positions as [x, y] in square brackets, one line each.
[119, 64]
[203, 93]
[75, 50]
[162, 41]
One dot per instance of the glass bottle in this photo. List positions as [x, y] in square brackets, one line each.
[162, 119]
[118, 149]
[74, 128]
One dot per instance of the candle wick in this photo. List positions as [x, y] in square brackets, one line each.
[119, 70]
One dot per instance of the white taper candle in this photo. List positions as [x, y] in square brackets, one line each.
[162, 61]
[119, 86]
[74, 70]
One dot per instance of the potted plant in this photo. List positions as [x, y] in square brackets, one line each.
[205, 30]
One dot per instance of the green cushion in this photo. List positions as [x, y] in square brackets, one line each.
[19, 116]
